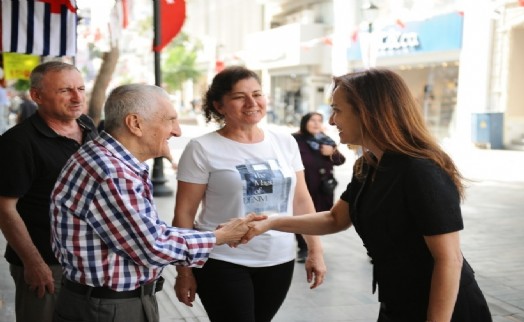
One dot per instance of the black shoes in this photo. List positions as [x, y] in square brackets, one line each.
[301, 255]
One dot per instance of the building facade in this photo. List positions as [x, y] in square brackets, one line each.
[426, 53]
[461, 59]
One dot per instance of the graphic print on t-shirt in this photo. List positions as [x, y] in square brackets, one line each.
[265, 189]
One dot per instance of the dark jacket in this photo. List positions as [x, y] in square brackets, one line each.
[318, 166]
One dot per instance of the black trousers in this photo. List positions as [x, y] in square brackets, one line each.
[236, 293]
[301, 242]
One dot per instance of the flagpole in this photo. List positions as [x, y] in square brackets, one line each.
[160, 189]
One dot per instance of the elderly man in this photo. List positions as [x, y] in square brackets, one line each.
[105, 229]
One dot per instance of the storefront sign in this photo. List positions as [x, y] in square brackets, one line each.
[19, 66]
[436, 34]
[394, 41]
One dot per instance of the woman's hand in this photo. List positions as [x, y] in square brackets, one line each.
[327, 150]
[234, 230]
[256, 228]
[315, 269]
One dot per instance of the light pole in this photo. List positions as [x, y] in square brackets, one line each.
[160, 189]
[370, 14]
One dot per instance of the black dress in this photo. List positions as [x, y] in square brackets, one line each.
[392, 210]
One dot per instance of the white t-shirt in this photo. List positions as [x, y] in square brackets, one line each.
[243, 178]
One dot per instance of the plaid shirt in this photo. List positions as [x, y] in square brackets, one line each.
[105, 229]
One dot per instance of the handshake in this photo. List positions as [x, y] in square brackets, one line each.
[241, 230]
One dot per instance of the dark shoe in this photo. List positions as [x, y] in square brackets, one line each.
[301, 256]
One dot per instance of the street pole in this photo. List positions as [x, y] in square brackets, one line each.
[370, 12]
[160, 189]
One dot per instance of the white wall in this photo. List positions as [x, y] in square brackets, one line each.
[474, 70]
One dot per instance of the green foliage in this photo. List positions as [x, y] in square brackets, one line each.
[22, 85]
[179, 62]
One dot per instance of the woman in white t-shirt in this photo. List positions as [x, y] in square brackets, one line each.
[239, 169]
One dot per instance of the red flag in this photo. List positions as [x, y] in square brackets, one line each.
[125, 14]
[354, 35]
[219, 66]
[39, 27]
[172, 16]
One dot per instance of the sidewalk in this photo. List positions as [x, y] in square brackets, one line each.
[493, 243]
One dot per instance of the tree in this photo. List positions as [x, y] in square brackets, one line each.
[22, 85]
[109, 58]
[179, 63]
[103, 78]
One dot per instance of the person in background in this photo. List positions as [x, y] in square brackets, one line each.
[100, 126]
[238, 169]
[404, 202]
[319, 154]
[38, 149]
[105, 230]
[4, 107]
[26, 108]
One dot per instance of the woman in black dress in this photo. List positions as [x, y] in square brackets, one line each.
[404, 202]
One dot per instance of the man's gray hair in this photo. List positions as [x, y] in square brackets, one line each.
[141, 99]
[38, 73]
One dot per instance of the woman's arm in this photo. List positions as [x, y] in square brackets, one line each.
[188, 198]
[337, 157]
[303, 204]
[316, 223]
[445, 280]
[333, 153]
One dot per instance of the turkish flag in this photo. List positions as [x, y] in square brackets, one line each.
[172, 16]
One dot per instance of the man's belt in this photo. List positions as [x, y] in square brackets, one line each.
[107, 293]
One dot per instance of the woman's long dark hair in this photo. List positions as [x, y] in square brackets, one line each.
[391, 118]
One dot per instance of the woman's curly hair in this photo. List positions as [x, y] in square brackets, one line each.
[222, 84]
